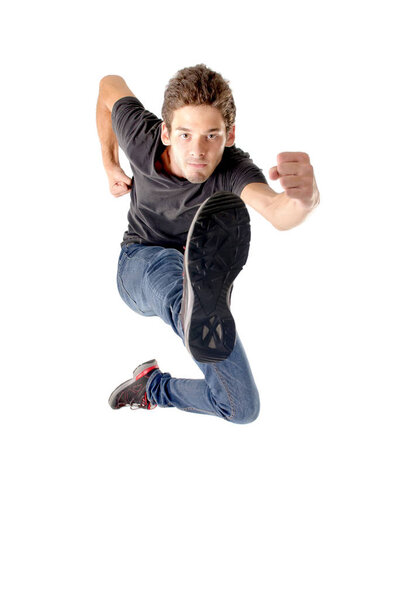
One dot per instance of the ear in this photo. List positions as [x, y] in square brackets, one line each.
[164, 135]
[231, 137]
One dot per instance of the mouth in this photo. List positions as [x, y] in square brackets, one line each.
[198, 165]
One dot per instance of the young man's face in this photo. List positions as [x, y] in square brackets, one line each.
[197, 141]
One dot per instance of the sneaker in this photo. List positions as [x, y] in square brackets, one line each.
[217, 247]
[133, 391]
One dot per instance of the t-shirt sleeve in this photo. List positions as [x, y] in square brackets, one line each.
[134, 126]
[243, 171]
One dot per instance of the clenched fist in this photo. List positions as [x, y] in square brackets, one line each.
[296, 176]
[119, 182]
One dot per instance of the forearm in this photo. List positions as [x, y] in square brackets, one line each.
[289, 212]
[107, 137]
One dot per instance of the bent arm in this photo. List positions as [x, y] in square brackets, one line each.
[280, 210]
[111, 89]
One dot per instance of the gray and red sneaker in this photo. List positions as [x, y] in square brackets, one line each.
[216, 250]
[133, 392]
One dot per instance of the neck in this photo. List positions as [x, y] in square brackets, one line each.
[168, 164]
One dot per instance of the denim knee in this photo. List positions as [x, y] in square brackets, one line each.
[243, 412]
[247, 410]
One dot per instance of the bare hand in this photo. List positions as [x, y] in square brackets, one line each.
[296, 176]
[119, 182]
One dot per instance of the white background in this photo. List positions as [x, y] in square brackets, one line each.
[302, 503]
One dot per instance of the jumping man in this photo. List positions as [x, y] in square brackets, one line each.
[188, 231]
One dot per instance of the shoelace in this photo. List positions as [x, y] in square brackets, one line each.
[143, 404]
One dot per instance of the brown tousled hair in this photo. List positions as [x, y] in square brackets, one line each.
[198, 85]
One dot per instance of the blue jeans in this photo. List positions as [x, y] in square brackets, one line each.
[150, 282]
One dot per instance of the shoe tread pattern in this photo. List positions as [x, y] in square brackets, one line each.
[218, 250]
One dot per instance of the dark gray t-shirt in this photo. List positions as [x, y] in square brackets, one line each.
[163, 206]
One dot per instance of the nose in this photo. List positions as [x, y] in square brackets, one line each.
[197, 149]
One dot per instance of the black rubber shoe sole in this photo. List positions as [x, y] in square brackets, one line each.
[216, 250]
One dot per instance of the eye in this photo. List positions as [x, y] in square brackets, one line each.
[212, 136]
[184, 134]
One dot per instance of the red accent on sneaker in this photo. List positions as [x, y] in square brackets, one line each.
[148, 405]
[145, 372]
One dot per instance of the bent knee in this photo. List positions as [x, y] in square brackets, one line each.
[246, 417]
[245, 411]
